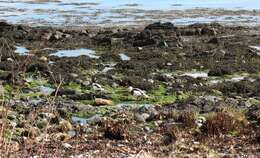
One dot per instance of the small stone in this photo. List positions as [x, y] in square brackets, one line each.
[147, 129]
[231, 101]
[94, 119]
[42, 123]
[61, 137]
[86, 83]
[65, 126]
[140, 48]
[145, 116]
[100, 102]
[66, 145]
[47, 36]
[58, 35]
[139, 118]
[74, 75]
[43, 58]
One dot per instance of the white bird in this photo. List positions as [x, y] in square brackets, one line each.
[97, 87]
[136, 92]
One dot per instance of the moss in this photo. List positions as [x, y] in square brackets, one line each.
[8, 88]
[87, 102]
[103, 111]
[184, 96]
[119, 94]
[151, 125]
[32, 82]
[160, 96]
[31, 94]
[254, 101]
[73, 86]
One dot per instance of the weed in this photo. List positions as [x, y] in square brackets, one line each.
[222, 123]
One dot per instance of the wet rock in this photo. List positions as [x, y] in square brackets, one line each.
[164, 77]
[57, 35]
[220, 71]
[115, 131]
[47, 36]
[5, 75]
[84, 107]
[231, 102]
[116, 42]
[146, 113]
[41, 67]
[258, 138]
[212, 98]
[141, 117]
[85, 96]
[201, 104]
[215, 40]
[102, 39]
[159, 25]
[100, 102]
[62, 91]
[4, 26]
[209, 31]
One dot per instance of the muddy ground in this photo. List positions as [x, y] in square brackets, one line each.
[201, 85]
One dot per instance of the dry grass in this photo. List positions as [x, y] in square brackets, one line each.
[188, 119]
[222, 123]
[115, 130]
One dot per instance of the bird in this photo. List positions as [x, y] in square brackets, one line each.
[136, 92]
[97, 87]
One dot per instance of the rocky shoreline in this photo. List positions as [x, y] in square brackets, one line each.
[162, 90]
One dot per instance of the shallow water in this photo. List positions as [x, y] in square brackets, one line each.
[103, 12]
[196, 74]
[231, 78]
[21, 50]
[76, 53]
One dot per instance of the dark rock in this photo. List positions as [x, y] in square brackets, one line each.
[159, 25]
[220, 71]
[254, 113]
[208, 31]
[214, 40]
